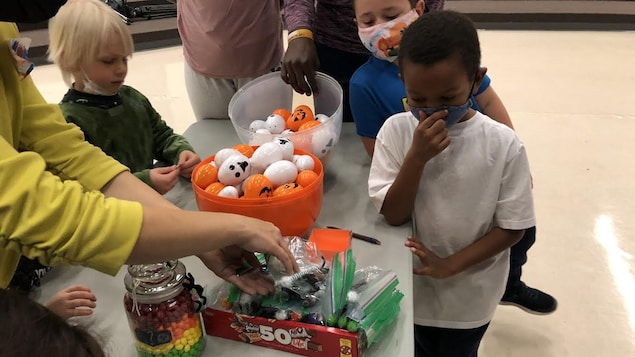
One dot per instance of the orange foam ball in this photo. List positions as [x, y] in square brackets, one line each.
[285, 114]
[214, 188]
[205, 176]
[301, 115]
[306, 177]
[258, 186]
[244, 149]
[309, 125]
[286, 189]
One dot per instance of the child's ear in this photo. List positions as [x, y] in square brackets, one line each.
[420, 7]
[480, 75]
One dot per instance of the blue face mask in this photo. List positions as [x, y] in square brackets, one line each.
[455, 112]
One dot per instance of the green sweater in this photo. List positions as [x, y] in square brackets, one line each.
[126, 127]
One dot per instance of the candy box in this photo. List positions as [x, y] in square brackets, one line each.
[288, 336]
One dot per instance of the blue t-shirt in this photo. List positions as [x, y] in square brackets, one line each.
[377, 92]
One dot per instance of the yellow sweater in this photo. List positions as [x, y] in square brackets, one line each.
[50, 205]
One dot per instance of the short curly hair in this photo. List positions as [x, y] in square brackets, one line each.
[440, 35]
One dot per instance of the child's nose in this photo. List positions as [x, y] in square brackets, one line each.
[122, 67]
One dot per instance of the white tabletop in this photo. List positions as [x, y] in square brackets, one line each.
[345, 205]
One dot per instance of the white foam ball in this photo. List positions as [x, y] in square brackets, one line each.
[281, 172]
[303, 162]
[275, 123]
[260, 137]
[287, 147]
[224, 154]
[257, 124]
[229, 191]
[322, 118]
[265, 155]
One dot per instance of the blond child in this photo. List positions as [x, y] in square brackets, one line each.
[91, 46]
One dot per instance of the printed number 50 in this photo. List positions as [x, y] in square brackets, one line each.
[282, 336]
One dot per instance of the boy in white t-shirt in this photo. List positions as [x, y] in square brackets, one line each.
[463, 179]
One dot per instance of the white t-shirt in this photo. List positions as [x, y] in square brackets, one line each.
[480, 181]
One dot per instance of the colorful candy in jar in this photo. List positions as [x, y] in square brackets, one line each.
[161, 313]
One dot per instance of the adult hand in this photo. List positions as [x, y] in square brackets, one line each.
[187, 161]
[163, 179]
[262, 236]
[433, 266]
[73, 301]
[299, 65]
[227, 261]
[431, 135]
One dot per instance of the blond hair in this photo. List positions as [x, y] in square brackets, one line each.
[78, 32]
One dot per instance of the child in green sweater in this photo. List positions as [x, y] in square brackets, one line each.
[91, 45]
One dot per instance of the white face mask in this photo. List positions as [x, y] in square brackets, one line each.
[383, 40]
[94, 88]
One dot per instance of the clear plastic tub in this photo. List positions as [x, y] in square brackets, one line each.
[260, 97]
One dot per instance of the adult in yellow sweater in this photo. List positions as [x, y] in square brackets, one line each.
[63, 201]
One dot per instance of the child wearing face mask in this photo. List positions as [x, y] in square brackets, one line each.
[377, 92]
[463, 178]
[91, 45]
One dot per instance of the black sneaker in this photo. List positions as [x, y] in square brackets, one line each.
[531, 300]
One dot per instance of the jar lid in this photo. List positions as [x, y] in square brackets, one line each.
[154, 279]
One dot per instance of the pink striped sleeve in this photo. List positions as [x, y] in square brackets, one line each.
[299, 14]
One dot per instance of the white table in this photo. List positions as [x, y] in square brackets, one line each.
[345, 205]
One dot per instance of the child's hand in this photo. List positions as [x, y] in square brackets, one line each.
[163, 179]
[433, 266]
[187, 161]
[73, 301]
[431, 135]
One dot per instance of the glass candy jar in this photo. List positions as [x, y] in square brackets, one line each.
[161, 313]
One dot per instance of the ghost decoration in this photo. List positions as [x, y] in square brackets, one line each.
[234, 170]
[322, 142]
[287, 147]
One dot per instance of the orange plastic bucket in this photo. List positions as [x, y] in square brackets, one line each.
[294, 214]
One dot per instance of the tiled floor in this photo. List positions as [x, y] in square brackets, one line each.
[571, 96]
